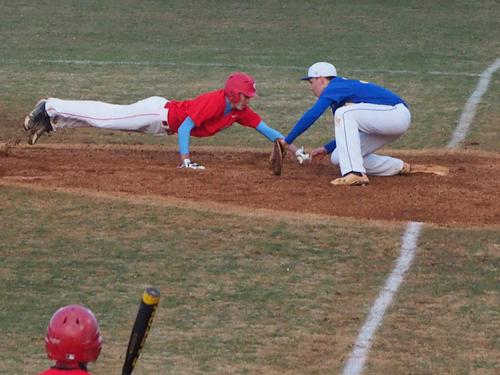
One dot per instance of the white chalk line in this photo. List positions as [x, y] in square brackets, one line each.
[219, 65]
[357, 359]
[470, 107]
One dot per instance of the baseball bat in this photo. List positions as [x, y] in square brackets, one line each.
[141, 327]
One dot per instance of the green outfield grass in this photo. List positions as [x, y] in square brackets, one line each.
[281, 102]
[448, 310]
[430, 53]
[240, 294]
[484, 134]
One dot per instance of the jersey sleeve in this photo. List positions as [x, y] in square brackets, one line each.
[249, 118]
[308, 118]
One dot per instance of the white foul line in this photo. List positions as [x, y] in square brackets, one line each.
[470, 107]
[357, 359]
[355, 364]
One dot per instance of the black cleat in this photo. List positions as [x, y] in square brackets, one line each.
[37, 122]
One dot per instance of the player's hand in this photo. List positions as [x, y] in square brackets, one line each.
[318, 153]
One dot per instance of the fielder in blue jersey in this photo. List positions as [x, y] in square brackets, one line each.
[366, 117]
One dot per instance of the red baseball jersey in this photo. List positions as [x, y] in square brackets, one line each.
[58, 371]
[207, 113]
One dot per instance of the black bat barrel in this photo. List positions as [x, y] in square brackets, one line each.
[141, 327]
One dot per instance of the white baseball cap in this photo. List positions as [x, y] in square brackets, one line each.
[320, 69]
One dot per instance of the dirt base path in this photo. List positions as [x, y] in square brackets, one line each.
[468, 196]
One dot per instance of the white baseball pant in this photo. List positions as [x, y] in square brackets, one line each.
[147, 116]
[361, 129]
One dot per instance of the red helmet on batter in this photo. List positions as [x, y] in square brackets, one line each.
[239, 83]
[73, 335]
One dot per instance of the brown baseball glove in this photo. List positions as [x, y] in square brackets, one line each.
[277, 156]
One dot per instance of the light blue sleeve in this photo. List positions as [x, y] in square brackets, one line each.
[268, 132]
[184, 134]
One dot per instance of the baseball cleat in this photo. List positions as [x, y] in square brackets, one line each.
[37, 122]
[406, 170]
[32, 118]
[351, 179]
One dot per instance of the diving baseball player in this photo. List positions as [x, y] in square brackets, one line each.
[204, 116]
[366, 117]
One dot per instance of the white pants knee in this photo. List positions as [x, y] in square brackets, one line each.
[145, 116]
[361, 129]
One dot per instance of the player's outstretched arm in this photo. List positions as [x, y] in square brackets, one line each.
[184, 134]
[274, 135]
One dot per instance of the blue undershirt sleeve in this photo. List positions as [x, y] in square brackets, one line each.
[268, 132]
[330, 146]
[184, 134]
[308, 119]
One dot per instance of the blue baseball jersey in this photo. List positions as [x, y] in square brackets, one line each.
[339, 92]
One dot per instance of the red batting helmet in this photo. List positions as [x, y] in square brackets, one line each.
[239, 83]
[73, 335]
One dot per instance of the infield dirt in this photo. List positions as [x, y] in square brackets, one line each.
[467, 197]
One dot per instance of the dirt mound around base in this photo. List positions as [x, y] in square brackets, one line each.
[468, 196]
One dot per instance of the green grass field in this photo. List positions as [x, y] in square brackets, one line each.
[245, 294]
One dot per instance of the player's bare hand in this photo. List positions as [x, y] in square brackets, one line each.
[318, 153]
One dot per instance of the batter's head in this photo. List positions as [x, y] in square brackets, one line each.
[239, 83]
[320, 69]
[73, 336]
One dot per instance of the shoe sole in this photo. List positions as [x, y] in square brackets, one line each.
[36, 134]
[33, 138]
[28, 123]
[429, 168]
[355, 183]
